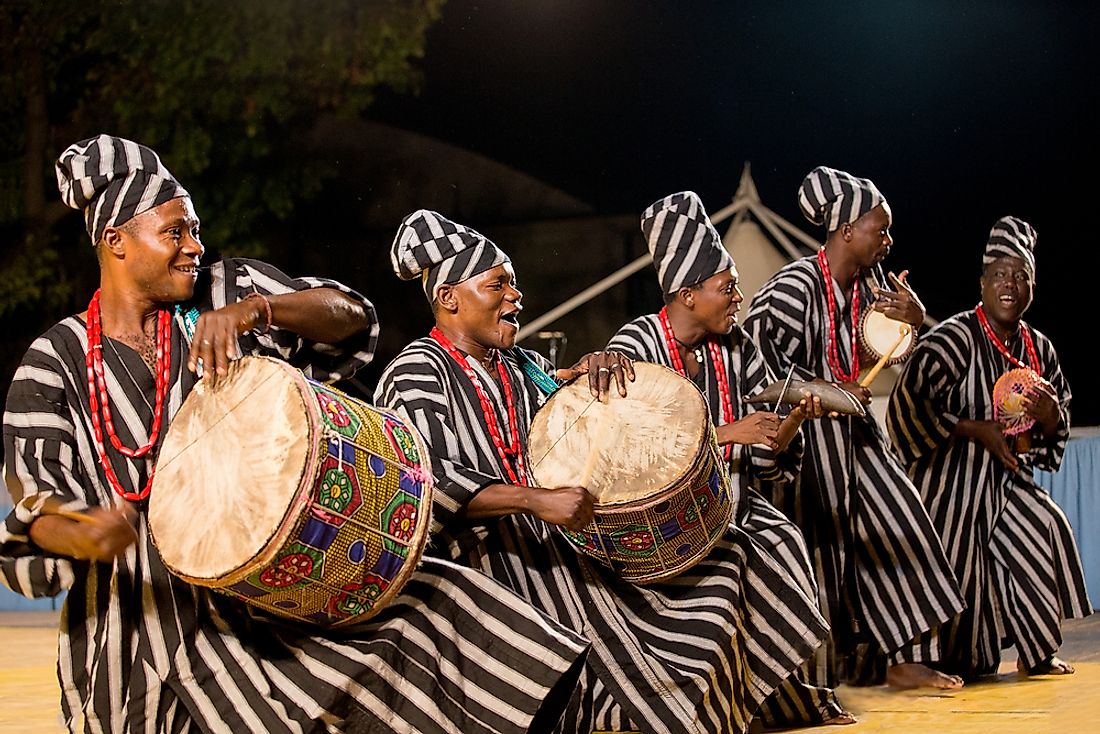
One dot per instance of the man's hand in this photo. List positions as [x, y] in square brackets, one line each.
[569, 507]
[859, 392]
[902, 304]
[760, 427]
[102, 536]
[600, 367]
[991, 435]
[1041, 404]
[808, 408]
[216, 332]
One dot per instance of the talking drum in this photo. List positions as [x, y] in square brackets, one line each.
[651, 461]
[291, 496]
[885, 337]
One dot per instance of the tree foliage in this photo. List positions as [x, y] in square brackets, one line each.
[227, 91]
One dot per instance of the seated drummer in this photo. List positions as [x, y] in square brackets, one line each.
[978, 483]
[141, 650]
[697, 653]
[697, 334]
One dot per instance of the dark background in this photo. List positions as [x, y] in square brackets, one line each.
[961, 112]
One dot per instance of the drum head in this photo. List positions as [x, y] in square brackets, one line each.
[230, 469]
[630, 447]
[880, 333]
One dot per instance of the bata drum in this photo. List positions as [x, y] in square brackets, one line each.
[663, 494]
[291, 496]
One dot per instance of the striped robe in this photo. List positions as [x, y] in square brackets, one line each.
[697, 653]
[985, 513]
[797, 702]
[884, 581]
[142, 651]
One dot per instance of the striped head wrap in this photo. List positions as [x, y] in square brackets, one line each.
[831, 197]
[113, 180]
[441, 252]
[1012, 237]
[685, 246]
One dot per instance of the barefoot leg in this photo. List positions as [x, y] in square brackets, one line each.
[917, 675]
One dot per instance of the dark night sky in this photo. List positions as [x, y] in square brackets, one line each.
[961, 112]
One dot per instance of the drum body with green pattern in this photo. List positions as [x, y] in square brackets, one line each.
[291, 495]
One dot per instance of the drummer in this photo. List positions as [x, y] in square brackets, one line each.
[884, 581]
[978, 483]
[694, 654]
[141, 650]
[697, 334]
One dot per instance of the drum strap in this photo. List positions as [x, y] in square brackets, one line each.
[543, 381]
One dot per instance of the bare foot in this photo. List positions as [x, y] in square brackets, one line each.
[842, 719]
[917, 675]
[1053, 665]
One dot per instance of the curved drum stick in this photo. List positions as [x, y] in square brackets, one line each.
[870, 377]
[53, 507]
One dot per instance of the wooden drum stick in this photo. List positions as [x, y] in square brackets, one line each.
[869, 378]
[53, 506]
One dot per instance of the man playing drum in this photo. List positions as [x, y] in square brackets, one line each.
[140, 650]
[884, 581]
[697, 653]
[1008, 542]
[697, 334]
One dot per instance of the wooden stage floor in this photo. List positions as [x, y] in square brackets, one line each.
[1005, 705]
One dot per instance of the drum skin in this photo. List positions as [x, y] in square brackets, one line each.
[878, 332]
[291, 496]
[651, 461]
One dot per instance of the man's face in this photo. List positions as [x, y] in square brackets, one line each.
[1006, 290]
[717, 301]
[162, 251]
[489, 306]
[870, 236]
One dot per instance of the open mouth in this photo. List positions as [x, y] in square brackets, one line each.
[191, 270]
[511, 318]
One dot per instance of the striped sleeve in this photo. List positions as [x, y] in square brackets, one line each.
[778, 320]
[234, 279]
[40, 464]
[1047, 455]
[417, 385]
[755, 376]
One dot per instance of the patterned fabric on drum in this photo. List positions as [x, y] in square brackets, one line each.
[696, 653]
[852, 499]
[800, 700]
[1009, 543]
[142, 651]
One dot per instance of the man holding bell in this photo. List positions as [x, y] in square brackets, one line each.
[981, 404]
[697, 334]
[696, 653]
[884, 581]
[140, 650]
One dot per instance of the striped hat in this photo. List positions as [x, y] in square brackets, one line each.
[1012, 237]
[441, 252]
[113, 180]
[685, 246]
[833, 197]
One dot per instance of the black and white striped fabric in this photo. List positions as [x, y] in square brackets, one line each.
[685, 246]
[798, 701]
[1009, 543]
[882, 573]
[697, 653]
[141, 651]
[832, 198]
[440, 251]
[1012, 237]
[112, 180]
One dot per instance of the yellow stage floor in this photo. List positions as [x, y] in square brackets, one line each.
[1006, 705]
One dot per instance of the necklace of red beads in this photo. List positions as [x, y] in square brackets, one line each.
[833, 354]
[719, 370]
[511, 455]
[98, 399]
[1029, 343]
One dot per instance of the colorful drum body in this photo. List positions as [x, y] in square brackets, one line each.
[1008, 399]
[291, 495]
[651, 460]
[879, 334]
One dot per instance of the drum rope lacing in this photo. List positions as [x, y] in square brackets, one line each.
[833, 355]
[719, 369]
[1025, 332]
[511, 456]
[97, 386]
